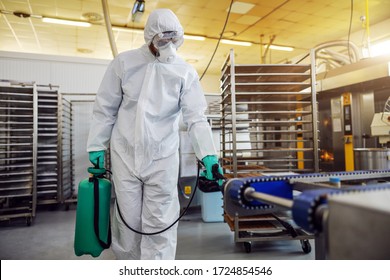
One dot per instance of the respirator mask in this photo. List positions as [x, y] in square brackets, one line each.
[167, 54]
[166, 44]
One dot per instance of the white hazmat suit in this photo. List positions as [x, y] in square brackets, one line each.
[137, 111]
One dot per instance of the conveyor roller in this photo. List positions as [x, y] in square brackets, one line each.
[305, 207]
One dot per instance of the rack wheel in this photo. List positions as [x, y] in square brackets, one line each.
[248, 247]
[28, 221]
[306, 247]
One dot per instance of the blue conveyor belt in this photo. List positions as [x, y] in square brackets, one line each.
[306, 204]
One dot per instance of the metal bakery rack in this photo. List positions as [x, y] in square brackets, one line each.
[18, 150]
[35, 144]
[269, 126]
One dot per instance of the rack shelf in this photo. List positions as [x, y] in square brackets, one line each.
[269, 118]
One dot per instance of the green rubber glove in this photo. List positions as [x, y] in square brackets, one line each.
[209, 162]
[97, 159]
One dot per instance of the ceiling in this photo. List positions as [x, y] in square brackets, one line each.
[302, 24]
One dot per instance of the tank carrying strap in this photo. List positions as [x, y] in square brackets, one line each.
[96, 215]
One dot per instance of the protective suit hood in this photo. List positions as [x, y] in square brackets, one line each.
[159, 21]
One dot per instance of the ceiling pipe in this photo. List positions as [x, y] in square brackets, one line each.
[368, 29]
[109, 28]
[271, 40]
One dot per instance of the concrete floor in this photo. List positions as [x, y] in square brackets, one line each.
[50, 237]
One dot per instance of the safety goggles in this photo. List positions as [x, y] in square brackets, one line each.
[162, 40]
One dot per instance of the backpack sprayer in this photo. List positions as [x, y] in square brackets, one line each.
[92, 231]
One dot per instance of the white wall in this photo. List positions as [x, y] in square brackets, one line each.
[71, 74]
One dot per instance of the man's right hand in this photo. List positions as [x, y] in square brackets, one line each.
[213, 169]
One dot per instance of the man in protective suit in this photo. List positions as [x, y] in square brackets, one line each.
[137, 111]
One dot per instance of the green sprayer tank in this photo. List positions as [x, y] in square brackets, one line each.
[92, 231]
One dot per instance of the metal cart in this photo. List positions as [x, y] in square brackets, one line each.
[49, 143]
[18, 150]
[65, 132]
[260, 223]
[263, 228]
[269, 126]
[269, 118]
[35, 141]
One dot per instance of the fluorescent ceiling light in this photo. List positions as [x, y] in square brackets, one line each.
[66, 22]
[129, 30]
[241, 7]
[238, 43]
[381, 48]
[192, 37]
[281, 48]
